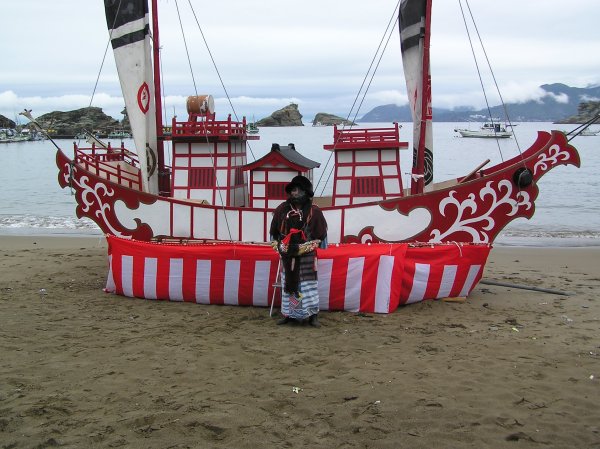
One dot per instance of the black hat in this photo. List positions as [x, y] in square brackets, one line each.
[301, 182]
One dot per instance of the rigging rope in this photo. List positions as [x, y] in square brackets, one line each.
[379, 52]
[581, 128]
[216, 69]
[103, 61]
[187, 52]
[493, 75]
[506, 114]
[164, 111]
[376, 67]
[487, 103]
[204, 123]
[193, 80]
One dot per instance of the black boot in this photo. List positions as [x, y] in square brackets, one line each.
[313, 320]
[284, 320]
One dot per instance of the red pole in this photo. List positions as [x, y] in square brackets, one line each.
[418, 185]
[163, 176]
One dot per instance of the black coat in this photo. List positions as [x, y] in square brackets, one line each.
[313, 222]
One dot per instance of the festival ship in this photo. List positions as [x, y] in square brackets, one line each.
[210, 192]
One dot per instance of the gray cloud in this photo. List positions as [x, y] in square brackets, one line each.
[281, 52]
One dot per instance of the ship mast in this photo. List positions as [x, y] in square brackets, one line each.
[163, 175]
[418, 178]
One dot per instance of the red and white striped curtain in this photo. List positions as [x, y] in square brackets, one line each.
[373, 278]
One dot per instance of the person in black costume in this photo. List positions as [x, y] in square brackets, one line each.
[297, 229]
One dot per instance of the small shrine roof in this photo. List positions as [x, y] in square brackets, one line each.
[283, 154]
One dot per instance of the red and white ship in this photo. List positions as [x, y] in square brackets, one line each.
[210, 191]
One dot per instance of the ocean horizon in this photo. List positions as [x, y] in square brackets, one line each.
[567, 208]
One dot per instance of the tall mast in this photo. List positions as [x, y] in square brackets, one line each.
[418, 180]
[163, 176]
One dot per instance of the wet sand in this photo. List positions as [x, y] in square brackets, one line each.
[507, 368]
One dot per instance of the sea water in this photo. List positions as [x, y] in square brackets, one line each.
[567, 208]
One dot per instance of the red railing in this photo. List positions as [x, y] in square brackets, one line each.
[364, 137]
[114, 164]
[201, 125]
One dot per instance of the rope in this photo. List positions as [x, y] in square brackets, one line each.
[164, 102]
[459, 248]
[216, 69]
[487, 103]
[104, 58]
[378, 55]
[187, 53]
[204, 122]
[493, 77]
[525, 287]
[71, 171]
[581, 128]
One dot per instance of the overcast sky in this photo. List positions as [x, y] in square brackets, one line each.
[313, 53]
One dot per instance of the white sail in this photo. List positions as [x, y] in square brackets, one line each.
[414, 38]
[128, 23]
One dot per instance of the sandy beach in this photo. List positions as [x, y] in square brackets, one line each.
[508, 368]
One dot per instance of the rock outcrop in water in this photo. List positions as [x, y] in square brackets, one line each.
[288, 116]
[6, 123]
[71, 123]
[324, 119]
[585, 112]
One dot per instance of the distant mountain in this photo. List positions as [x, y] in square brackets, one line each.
[388, 113]
[560, 102]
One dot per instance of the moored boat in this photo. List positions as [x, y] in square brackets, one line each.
[252, 128]
[5, 135]
[9, 135]
[487, 130]
[119, 134]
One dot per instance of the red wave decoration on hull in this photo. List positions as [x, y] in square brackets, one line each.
[96, 199]
[477, 210]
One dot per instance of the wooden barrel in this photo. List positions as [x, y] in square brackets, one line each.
[200, 104]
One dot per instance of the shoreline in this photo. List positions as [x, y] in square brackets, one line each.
[501, 242]
[83, 242]
[83, 368]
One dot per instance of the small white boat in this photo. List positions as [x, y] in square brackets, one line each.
[251, 128]
[5, 136]
[119, 134]
[589, 132]
[9, 135]
[488, 129]
[31, 134]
